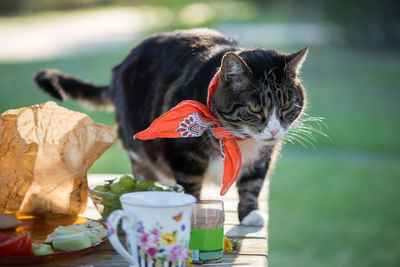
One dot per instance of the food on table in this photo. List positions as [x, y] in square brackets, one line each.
[77, 236]
[144, 185]
[127, 184]
[27, 239]
[20, 245]
[8, 221]
[74, 240]
[106, 196]
[42, 249]
[46, 151]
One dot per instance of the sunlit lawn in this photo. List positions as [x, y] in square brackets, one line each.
[335, 205]
[335, 208]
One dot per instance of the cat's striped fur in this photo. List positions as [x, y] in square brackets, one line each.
[258, 98]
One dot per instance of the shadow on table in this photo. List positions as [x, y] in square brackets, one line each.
[240, 232]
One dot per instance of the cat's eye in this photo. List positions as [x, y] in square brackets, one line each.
[255, 108]
[285, 107]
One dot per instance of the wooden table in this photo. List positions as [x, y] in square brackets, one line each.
[253, 249]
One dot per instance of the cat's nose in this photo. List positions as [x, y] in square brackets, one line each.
[274, 132]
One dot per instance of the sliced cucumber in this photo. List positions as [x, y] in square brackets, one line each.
[65, 230]
[72, 241]
[94, 236]
[42, 249]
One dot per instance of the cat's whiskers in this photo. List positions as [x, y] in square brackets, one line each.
[317, 120]
[294, 139]
[298, 137]
[302, 132]
[289, 139]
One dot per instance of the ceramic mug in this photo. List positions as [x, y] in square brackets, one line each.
[156, 226]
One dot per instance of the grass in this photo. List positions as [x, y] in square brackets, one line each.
[335, 205]
[327, 212]
[356, 91]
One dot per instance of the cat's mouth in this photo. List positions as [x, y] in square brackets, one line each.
[269, 141]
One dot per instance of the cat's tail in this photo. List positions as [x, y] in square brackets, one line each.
[61, 85]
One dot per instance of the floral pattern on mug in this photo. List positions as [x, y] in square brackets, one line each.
[110, 228]
[175, 253]
[161, 246]
[168, 238]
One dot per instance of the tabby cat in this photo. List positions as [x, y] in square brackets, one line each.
[259, 96]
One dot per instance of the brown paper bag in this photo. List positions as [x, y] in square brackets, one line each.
[45, 153]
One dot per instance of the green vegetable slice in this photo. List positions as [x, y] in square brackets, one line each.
[72, 241]
[42, 249]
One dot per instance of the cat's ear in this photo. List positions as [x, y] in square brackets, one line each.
[233, 68]
[295, 61]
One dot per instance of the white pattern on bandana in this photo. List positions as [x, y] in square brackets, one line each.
[193, 126]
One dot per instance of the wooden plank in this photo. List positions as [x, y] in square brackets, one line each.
[110, 259]
[211, 191]
[231, 218]
[241, 231]
[253, 246]
[103, 256]
[103, 259]
[250, 252]
[249, 246]
[246, 259]
[231, 205]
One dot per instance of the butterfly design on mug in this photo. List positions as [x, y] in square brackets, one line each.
[178, 217]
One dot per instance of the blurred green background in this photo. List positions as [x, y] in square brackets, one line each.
[334, 204]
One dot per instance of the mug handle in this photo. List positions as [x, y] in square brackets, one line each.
[112, 227]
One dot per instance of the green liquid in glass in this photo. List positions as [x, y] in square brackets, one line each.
[207, 244]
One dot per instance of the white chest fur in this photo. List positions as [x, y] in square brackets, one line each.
[250, 150]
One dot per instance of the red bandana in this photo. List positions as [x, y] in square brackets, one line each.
[191, 119]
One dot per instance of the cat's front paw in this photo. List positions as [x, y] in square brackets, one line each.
[255, 217]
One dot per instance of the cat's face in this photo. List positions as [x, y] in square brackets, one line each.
[259, 95]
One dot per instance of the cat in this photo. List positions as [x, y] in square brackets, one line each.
[259, 96]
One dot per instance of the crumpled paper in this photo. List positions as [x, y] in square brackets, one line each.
[45, 153]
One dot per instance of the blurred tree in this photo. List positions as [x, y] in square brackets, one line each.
[372, 22]
[17, 7]
[10, 7]
[364, 22]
